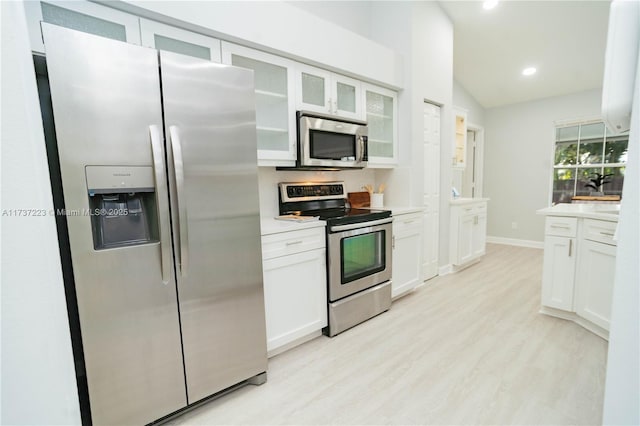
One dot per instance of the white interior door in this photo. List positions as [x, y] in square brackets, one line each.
[431, 190]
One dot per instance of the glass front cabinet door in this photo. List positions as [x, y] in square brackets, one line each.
[165, 37]
[275, 103]
[328, 93]
[381, 114]
[460, 138]
[82, 16]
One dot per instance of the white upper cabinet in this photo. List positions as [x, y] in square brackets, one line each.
[83, 16]
[328, 93]
[460, 138]
[381, 114]
[275, 103]
[165, 37]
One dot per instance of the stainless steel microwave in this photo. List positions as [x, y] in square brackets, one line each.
[329, 142]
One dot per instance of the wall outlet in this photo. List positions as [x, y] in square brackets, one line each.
[514, 225]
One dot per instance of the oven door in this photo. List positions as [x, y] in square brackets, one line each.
[359, 257]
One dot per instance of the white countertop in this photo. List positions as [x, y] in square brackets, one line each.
[457, 201]
[272, 226]
[591, 211]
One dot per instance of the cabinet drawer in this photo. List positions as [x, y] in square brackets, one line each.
[600, 230]
[405, 221]
[469, 209]
[561, 226]
[291, 242]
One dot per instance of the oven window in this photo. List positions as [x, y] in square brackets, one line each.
[362, 255]
[332, 146]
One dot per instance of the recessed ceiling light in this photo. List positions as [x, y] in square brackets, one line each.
[529, 71]
[489, 4]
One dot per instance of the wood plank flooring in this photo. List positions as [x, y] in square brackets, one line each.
[467, 348]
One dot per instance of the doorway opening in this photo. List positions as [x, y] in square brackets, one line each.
[472, 174]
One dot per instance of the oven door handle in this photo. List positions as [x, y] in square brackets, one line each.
[358, 225]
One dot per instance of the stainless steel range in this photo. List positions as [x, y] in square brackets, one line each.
[358, 251]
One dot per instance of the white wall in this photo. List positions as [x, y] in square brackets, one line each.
[622, 389]
[281, 28]
[423, 34]
[463, 99]
[352, 15]
[519, 143]
[38, 378]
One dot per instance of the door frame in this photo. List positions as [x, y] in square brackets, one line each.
[478, 163]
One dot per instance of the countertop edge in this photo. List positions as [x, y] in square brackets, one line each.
[269, 226]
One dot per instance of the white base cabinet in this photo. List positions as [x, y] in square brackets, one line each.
[407, 253]
[560, 254]
[595, 277]
[579, 271]
[295, 286]
[468, 231]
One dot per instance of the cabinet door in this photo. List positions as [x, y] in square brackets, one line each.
[479, 234]
[275, 103]
[314, 89]
[407, 254]
[460, 138]
[165, 37]
[82, 16]
[346, 97]
[594, 282]
[381, 114]
[295, 296]
[559, 272]
[465, 238]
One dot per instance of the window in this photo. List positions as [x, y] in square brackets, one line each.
[582, 152]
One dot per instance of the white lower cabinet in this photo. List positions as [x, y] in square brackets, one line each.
[558, 272]
[295, 286]
[595, 277]
[407, 253]
[468, 231]
[559, 267]
[579, 271]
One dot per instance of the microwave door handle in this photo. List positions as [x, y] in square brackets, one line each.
[362, 148]
[176, 148]
[162, 200]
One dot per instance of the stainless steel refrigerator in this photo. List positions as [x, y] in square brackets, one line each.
[157, 156]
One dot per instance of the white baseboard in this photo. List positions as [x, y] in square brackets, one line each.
[515, 242]
[446, 269]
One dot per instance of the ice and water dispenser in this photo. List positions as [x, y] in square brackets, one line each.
[123, 206]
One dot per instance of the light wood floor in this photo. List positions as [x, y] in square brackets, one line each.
[467, 348]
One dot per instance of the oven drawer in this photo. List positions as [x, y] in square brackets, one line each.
[291, 242]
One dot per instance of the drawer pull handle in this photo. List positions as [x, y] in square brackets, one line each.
[406, 222]
[608, 234]
[290, 243]
[560, 226]
[570, 247]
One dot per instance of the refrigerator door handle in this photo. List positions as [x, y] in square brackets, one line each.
[162, 200]
[178, 167]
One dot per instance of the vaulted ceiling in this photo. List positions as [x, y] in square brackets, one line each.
[564, 40]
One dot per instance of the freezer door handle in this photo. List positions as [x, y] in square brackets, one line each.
[162, 201]
[178, 167]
